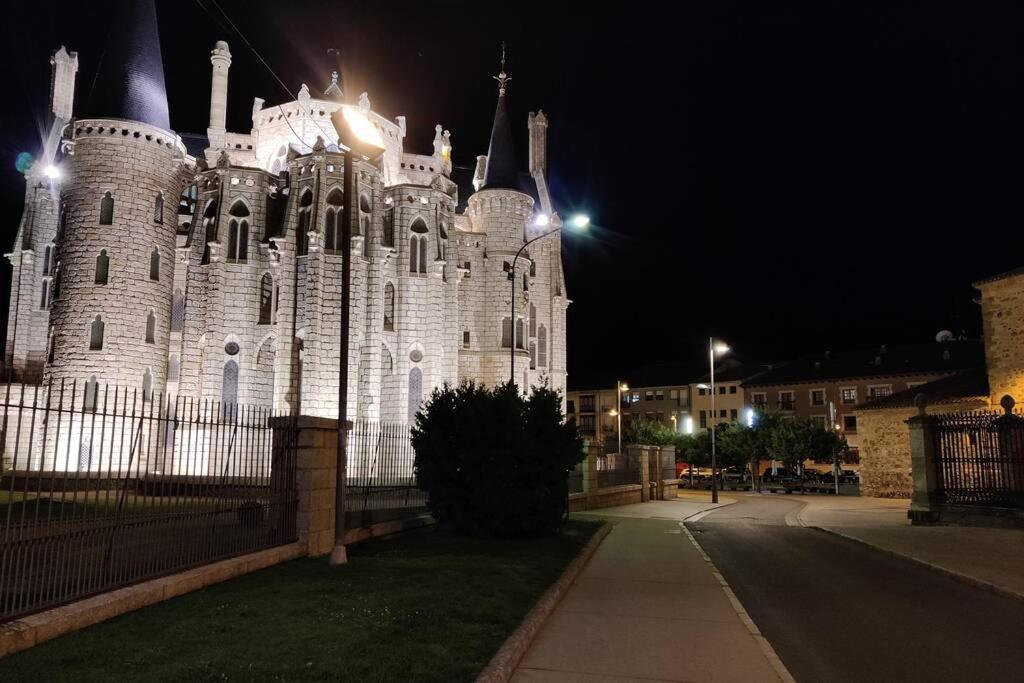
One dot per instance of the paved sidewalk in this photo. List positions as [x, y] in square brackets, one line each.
[989, 556]
[647, 606]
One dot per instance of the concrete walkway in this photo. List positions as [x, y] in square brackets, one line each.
[648, 607]
[992, 557]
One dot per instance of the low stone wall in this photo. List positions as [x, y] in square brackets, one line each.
[611, 496]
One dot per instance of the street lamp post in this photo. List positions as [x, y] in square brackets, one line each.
[579, 221]
[621, 387]
[712, 350]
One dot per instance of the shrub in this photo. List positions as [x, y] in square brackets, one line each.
[494, 463]
[643, 432]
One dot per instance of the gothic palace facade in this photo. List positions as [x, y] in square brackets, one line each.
[211, 266]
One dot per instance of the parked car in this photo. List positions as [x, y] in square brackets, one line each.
[780, 473]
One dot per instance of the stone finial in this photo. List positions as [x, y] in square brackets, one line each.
[921, 403]
[223, 161]
[319, 147]
[502, 77]
[303, 97]
[1007, 403]
[334, 89]
[364, 101]
[437, 139]
[257, 107]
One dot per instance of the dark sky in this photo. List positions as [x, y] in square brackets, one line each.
[789, 176]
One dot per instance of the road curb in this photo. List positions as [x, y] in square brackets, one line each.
[766, 648]
[703, 513]
[507, 658]
[966, 578]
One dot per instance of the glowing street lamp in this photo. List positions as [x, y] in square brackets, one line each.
[621, 387]
[714, 348]
[358, 135]
[51, 172]
[541, 220]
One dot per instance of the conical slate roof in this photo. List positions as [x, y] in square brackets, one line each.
[501, 171]
[130, 79]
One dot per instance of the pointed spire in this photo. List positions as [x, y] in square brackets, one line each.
[130, 79]
[501, 171]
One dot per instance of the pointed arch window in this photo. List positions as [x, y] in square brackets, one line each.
[533, 269]
[174, 368]
[387, 363]
[519, 334]
[96, 334]
[158, 208]
[332, 220]
[49, 259]
[229, 383]
[102, 267]
[147, 385]
[266, 299]
[415, 393]
[209, 229]
[45, 293]
[533, 320]
[302, 229]
[363, 226]
[526, 283]
[533, 355]
[151, 327]
[51, 348]
[62, 222]
[238, 233]
[154, 264]
[92, 390]
[389, 228]
[418, 247]
[107, 209]
[542, 346]
[506, 333]
[389, 307]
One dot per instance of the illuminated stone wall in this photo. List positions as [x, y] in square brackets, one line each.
[1002, 313]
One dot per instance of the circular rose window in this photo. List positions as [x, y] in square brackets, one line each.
[231, 348]
[416, 356]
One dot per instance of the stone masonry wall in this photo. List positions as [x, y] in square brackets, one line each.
[1002, 313]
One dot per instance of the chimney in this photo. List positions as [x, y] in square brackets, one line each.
[538, 126]
[220, 59]
[62, 82]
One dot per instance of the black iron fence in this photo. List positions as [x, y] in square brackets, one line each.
[979, 458]
[380, 476]
[618, 470]
[102, 487]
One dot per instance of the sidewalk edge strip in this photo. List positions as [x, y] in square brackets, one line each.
[507, 658]
[701, 514]
[766, 648]
[966, 578]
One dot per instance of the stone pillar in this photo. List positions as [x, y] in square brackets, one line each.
[922, 463]
[590, 468]
[220, 59]
[315, 441]
[645, 472]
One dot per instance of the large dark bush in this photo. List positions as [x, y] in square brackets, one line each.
[493, 462]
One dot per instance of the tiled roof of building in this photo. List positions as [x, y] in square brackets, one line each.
[1000, 276]
[910, 359]
[502, 171]
[964, 385]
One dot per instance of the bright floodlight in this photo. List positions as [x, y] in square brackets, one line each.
[613, 412]
[750, 417]
[580, 221]
[624, 387]
[361, 127]
[721, 347]
[51, 172]
[702, 386]
[541, 220]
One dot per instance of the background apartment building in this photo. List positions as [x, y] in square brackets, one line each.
[731, 401]
[597, 414]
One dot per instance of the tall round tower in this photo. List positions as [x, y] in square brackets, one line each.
[116, 234]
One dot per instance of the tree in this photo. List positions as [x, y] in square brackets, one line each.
[494, 463]
[798, 439]
[644, 432]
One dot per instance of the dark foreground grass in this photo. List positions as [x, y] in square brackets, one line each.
[424, 606]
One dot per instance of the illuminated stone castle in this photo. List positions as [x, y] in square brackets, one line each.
[210, 266]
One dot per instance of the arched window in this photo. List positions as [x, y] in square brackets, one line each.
[147, 385]
[414, 253]
[238, 233]
[526, 283]
[96, 334]
[92, 390]
[302, 230]
[62, 222]
[229, 385]
[519, 334]
[154, 264]
[102, 267]
[107, 209]
[387, 363]
[415, 393]
[332, 220]
[533, 320]
[389, 228]
[177, 311]
[48, 260]
[506, 333]
[151, 327]
[363, 226]
[465, 339]
[389, 306]
[56, 283]
[265, 360]
[158, 208]
[542, 346]
[266, 299]
[533, 355]
[533, 269]
[174, 368]
[209, 229]
[51, 348]
[418, 247]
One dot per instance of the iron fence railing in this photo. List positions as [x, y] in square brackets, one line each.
[979, 458]
[618, 470]
[380, 476]
[102, 487]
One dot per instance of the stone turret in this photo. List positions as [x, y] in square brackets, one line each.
[220, 61]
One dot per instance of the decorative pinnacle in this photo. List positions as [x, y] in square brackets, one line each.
[502, 77]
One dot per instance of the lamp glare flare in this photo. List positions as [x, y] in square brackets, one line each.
[51, 172]
[362, 127]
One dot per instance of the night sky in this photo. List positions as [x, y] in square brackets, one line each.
[793, 178]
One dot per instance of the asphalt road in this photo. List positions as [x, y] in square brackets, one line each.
[837, 611]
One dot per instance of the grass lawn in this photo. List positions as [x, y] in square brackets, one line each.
[424, 606]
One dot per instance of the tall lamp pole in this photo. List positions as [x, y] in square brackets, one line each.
[580, 222]
[713, 349]
[622, 386]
